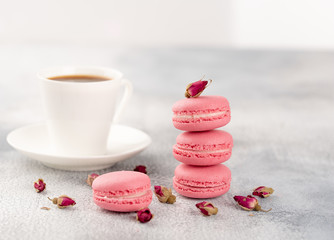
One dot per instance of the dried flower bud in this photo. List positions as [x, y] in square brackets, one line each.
[249, 203]
[91, 178]
[39, 185]
[144, 215]
[263, 191]
[171, 199]
[164, 194]
[196, 88]
[207, 208]
[140, 168]
[63, 201]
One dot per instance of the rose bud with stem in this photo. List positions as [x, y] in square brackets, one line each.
[249, 203]
[207, 208]
[263, 191]
[195, 89]
[63, 201]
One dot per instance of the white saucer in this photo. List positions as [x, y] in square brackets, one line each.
[32, 141]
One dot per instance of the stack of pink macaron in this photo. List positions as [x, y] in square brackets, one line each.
[202, 148]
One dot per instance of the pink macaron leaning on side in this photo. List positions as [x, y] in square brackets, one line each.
[122, 191]
[201, 114]
[202, 182]
[203, 148]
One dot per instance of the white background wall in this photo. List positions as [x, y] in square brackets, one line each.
[225, 23]
[283, 23]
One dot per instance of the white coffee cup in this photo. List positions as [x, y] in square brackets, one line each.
[80, 114]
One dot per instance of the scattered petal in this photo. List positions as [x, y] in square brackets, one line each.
[140, 168]
[263, 191]
[207, 208]
[45, 208]
[249, 203]
[63, 201]
[144, 215]
[196, 88]
[91, 178]
[39, 185]
[164, 194]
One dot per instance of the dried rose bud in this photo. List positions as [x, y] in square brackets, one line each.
[63, 201]
[196, 88]
[164, 194]
[207, 208]
[171, 199]
[91, 178]
[249, 203]
[263, 191]
[144, 215]
[140, 168]
[39, 185]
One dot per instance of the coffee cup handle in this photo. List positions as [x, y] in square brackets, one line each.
[128, 89]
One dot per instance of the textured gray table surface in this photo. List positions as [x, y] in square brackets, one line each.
[282, 122]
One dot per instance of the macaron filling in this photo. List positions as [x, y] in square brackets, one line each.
[197, 115]
[204, 148]
[204, 151]
[201, 115]
[100, 196]
[176, 149]
[198, 154]
[197, 186]
[139, 194]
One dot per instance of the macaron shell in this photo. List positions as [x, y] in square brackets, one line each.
[121, 182]
[201, 159]
[203, 148]
[203, 176]
[203, 125]
[201, 182]
[122, 191]
[200, 103]
[201, 114]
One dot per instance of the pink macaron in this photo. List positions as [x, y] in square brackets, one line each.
[201, 114]
[122, 191]
[203, 148]
[202, 182]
